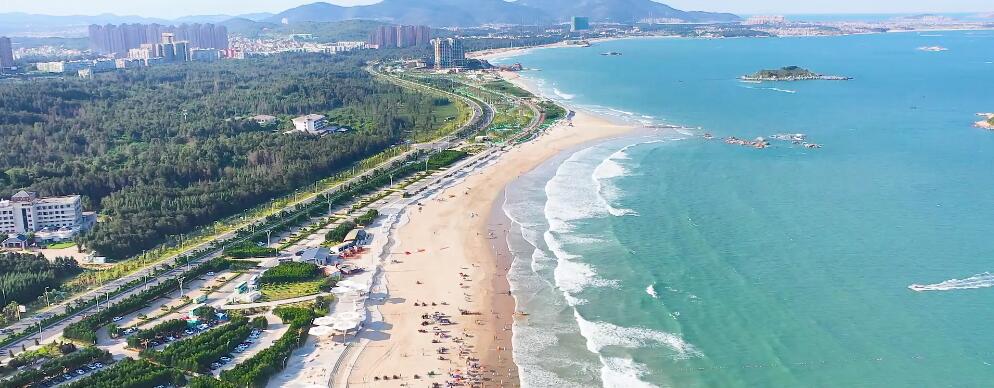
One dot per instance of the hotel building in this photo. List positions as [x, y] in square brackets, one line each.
[26, 213]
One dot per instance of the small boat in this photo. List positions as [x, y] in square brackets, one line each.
[917, 288]
[611, 53]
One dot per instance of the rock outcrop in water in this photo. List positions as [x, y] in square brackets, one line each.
[791, 73]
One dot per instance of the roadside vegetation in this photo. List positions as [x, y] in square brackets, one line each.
[85, 330]
[142, 339]
[196, 353]
[130, 373]
[247, 249]
[54, 369]
[257, 370]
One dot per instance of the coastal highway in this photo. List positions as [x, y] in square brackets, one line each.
[481, 118]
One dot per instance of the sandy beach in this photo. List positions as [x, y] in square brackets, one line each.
[449, 264]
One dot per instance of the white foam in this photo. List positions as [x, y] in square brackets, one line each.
[982, 280]
[603, 334]
[561, 94]
[610, 168]
[623, 373]
[571, 195]
[573, 277]
[651, 290]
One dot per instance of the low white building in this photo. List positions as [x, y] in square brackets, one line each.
[264, 120]
[26, 213]
[313, 124]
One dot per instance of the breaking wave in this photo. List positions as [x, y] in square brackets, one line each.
[623, 373]
[600, 335]
[563, 95]
[983, 280]
[651, 290]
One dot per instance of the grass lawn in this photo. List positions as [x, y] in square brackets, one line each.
[508, 88]
[62, 245]
[280, 291]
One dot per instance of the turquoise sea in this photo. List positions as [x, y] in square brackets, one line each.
[664, 259]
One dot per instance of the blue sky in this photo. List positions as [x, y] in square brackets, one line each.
[176, 8]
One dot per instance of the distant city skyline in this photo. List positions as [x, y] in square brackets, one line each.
[179, 8]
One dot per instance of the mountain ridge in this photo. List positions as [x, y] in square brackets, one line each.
[436, 13]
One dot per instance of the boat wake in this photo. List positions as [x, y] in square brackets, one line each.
[983, 280]
[772, 89]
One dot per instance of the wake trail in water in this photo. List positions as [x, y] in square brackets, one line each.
[773, 89]
[983, 280]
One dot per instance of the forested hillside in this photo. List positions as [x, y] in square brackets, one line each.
[159, 151]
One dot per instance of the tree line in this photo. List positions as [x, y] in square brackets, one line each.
[24, 276]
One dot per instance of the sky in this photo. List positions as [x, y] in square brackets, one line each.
[176, 8]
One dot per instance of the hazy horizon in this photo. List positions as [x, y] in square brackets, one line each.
[180, 8]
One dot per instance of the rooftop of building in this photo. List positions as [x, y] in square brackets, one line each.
[310, 117]
[30, 196]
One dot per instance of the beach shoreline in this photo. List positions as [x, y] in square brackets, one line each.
[462, 232]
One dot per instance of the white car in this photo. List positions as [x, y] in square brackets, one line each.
[116, 319]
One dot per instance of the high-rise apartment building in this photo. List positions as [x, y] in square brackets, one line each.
[118, 39]
[448, 53]
[579, 23]
[400, 36]
[6, 53]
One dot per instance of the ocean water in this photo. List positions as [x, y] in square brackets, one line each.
[664, 259]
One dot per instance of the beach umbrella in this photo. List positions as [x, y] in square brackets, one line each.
[344, 326]
[321, 331]
[349, 316]
[325, 321]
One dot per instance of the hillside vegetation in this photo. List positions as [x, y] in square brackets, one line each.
[162, 150]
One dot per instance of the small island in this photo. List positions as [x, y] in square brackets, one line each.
[987, 122]
[791, 73]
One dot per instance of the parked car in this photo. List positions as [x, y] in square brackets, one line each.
[116, 319]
